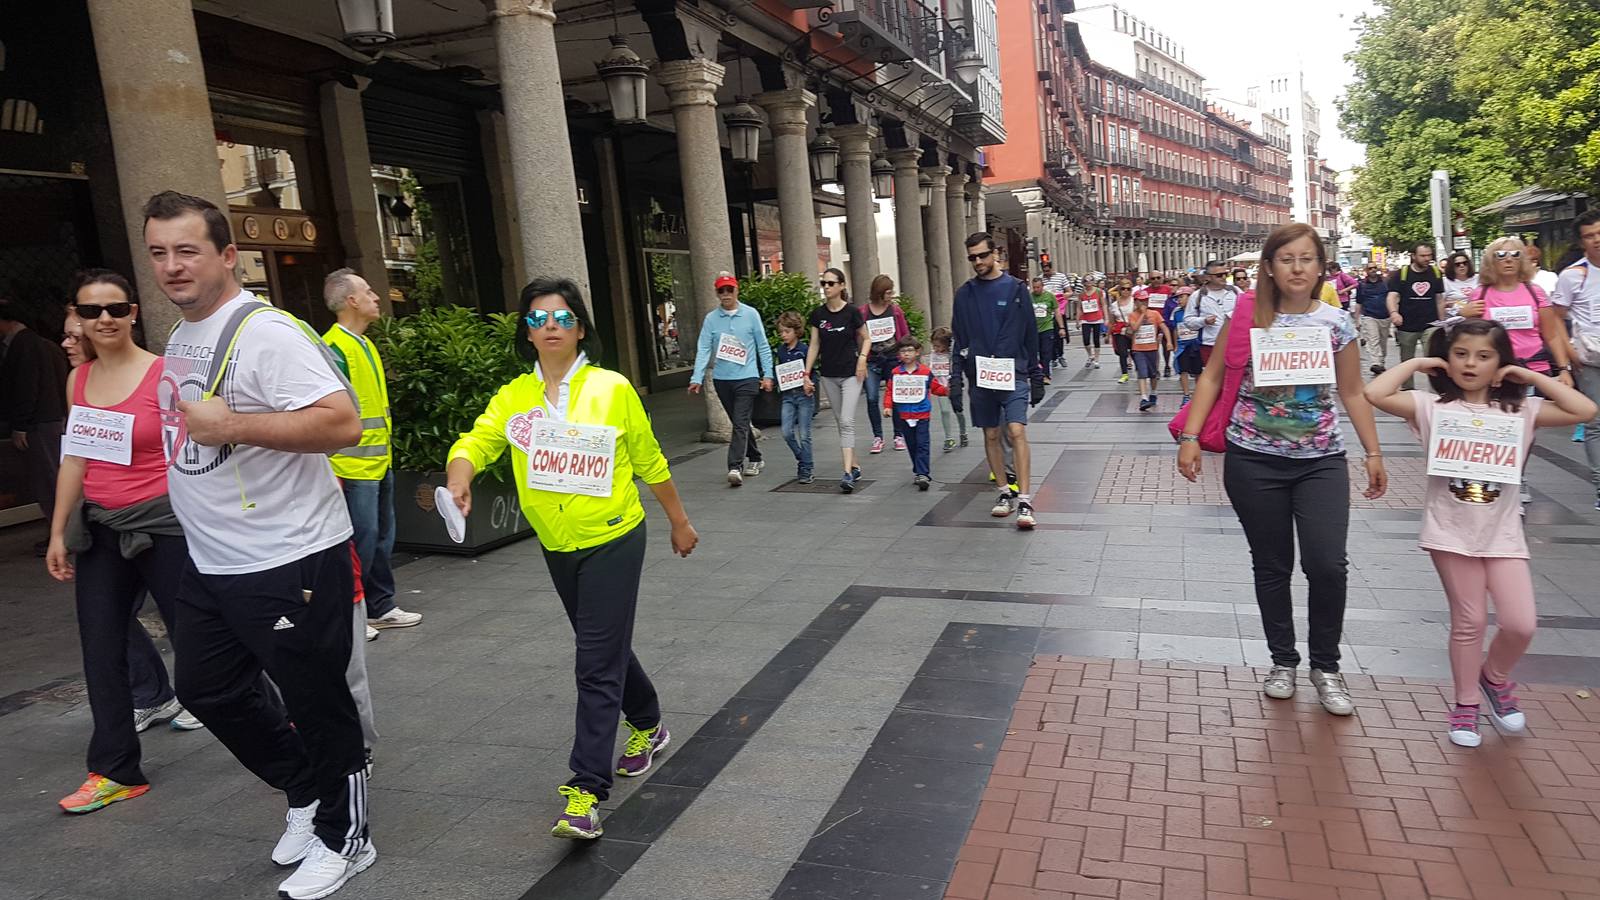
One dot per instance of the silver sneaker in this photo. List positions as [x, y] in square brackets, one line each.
[1332, 692]
[1004, 506]
[1279, 684]
[150, 715]
[754, 467]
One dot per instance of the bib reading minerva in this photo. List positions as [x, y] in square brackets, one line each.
[1477, 446]
[571, 459]
[1292, 355]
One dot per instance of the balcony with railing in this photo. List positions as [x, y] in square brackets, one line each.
[1256, 229]
[1162, 217]
[1127, 210]
[1230, 226]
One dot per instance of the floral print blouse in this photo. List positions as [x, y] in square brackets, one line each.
[1297, 421]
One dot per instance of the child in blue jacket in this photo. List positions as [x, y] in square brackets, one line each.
[906, 395]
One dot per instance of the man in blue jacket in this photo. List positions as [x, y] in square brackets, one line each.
[734, 342]
[996, 341]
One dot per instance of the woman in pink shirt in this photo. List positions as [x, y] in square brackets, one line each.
[114, 532]
[1506, 294]
[1470, 522]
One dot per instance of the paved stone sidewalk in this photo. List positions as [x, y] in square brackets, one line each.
[1139, 779]
[841, 674]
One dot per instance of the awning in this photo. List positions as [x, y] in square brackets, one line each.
[1527, 197]
[1249, 256]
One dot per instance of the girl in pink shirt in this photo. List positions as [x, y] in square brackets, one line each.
[1472, 524]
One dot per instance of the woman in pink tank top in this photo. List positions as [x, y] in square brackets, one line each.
[114, 534]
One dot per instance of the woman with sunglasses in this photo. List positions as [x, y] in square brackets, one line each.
[1459, 276]
[838, 353]
[1506, 294]
[115, 535]
[575, 482]
[886, 325]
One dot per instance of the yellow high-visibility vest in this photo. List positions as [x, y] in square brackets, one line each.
[369, 459]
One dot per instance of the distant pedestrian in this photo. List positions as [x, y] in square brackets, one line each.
[942, 367]
[733, 345]
[797, 392]
[1372, 319]
[33, 378]
[907, 397]
[886, 324]
[837, 353]
[1577, 298]
[1415, 300]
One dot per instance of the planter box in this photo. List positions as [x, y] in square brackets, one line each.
[496, 518]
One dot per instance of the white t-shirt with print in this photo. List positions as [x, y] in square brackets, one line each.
[249, 509]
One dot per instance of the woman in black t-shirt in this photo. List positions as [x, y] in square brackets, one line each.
[838, 354]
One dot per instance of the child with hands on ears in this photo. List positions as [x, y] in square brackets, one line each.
[1471, 522]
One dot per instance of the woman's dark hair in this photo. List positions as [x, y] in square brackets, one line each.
[1509, 394]
[844, 290]
[567, 290]
[85, 277]
[1459, 257]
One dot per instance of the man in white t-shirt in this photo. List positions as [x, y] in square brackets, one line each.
[1577, 298]
[270, 583]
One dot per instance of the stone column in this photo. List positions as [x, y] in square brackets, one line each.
[860, 226]
[787, 117]
[503, 193]
[541, 153]
[909, 248]
[344, 131]
[161, 127]
[691, 86]
[941, 295]
[979, 220]
[955, 205]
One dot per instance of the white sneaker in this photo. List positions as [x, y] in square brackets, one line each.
[754, 467]
[186, 721]
[144, 718]
[372, 633]
[297, 837]
[324, 872]
[395, 618]
[735, 477]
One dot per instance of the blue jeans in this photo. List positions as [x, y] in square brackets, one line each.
[918, 434]
[797, 412]
[371, 506]
[878, 372]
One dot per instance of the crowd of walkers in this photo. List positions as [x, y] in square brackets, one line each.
[242, 480]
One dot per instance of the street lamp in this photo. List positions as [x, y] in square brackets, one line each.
[623, 73]
[824, 154]
[882, 178]
[925, 189]
[744, 130]
[367, 23]
[968, 64]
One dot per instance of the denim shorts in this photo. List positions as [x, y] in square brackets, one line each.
[1147, 363]
[991, 408]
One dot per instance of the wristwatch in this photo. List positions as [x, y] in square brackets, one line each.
[1188, 438]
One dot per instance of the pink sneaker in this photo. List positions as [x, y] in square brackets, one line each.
[877, 445]
[899, 442]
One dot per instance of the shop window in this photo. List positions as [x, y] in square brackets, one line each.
[670, 282]
[259, 176]
[426, 246]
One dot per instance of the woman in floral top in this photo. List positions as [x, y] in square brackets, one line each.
[1285, 470]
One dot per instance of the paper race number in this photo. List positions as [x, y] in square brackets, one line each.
[1089, 305]
[99, 434]
[1146, 334]
[941, 369]
[880, 330]
[910, 388]
[1520, 317]
[732, 349]
[571, 459]
[1476, 446]
[997, 373]
[791, 374]
[1297, 355]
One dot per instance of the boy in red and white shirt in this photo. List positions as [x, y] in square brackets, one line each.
[906, 395]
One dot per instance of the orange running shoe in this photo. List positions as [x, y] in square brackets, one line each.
[98, 791]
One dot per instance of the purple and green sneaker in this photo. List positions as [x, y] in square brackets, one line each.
[1503, 704]
[641, 750]
[581, 821]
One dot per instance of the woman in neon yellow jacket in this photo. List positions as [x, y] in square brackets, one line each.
[579, 436]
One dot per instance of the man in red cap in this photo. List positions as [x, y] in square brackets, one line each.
[734, 343]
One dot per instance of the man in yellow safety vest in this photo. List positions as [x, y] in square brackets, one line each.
[363, 470]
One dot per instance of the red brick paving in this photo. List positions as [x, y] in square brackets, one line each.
[1155, 479]
[1170, 781]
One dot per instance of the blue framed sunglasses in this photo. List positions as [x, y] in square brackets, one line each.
[536, 318]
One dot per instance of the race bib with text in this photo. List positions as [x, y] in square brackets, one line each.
[1476, 446]
[910, 388]
[1519, 317]
[997, 373]
[1292, 355]
[880, 330]
[791, 374]
[99, 434]
[571, 459]
[731, 349]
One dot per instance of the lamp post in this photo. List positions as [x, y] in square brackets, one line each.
[744, 131]
[623, 73]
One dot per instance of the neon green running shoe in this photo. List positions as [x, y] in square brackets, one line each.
[581, 821]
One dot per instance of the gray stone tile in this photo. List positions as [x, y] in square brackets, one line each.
[1220, 650]
[502, 834]
[771, 765]
[1073, 642]
[1121, 586]
[398, 877]
[1199, 624]
[1093, 618]
[667, 871]
[730, 821]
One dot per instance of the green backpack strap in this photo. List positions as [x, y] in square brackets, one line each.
[228, 339]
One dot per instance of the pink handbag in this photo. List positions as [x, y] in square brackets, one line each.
[1213, 434]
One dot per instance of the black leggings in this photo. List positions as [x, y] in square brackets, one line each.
[1091, 332]
[1123, 345]
[1277, 497]
[108, 589]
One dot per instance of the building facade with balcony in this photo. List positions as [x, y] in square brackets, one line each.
[1284, 96]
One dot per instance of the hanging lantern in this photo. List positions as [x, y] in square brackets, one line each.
[972, 207]
[744, 130]
[968, 64]
[367, 23]
[824, 153]
[883, 178]
[623, 73]
[925, 189]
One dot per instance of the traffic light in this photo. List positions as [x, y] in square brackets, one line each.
[1044, 259]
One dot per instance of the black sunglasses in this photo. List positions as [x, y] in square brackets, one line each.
[828, 283]
[974, 257]
[91, 311]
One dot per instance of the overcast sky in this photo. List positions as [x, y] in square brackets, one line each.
[1231, 42]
